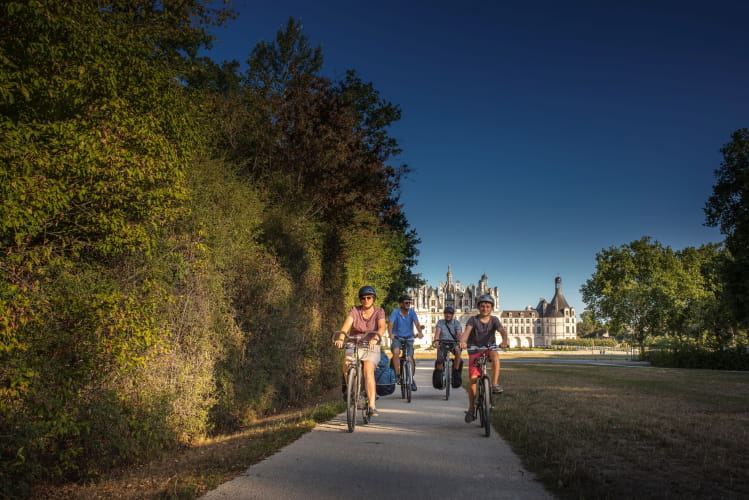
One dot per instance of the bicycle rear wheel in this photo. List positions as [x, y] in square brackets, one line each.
[448, 376]
[352, 391]
[364, 400]
[487, 404]
[408, 381]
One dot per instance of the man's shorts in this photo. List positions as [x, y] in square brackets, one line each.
[397, 343]
[442, 353]
[473, 354]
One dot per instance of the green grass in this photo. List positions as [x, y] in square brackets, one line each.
[610, 432]
[587, 432]
[193, 471]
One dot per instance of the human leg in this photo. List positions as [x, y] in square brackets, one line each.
[440, 363]
[494, 357]
[471, 398]
[370, 383]
[473, 373]
[396, 363]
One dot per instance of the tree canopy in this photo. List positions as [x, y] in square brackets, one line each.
[728, 209]
[648, 289]
[163, 220]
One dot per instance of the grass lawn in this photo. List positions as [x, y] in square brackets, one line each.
[585, 431]
[616, 432]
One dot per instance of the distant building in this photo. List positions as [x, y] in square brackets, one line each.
[530, 327]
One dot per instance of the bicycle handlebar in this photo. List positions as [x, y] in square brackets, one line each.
[358, 338]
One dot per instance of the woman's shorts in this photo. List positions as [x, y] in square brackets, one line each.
[365, 354]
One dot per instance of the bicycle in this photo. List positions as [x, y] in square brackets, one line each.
[406, 373]
[449, 348]
[356, 397]
[484, 399]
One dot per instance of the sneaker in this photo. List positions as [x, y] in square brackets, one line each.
[413, 387]
[372, 412]
[469, 417]
[497, 389]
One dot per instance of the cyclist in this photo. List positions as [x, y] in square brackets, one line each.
[481, 331]
[401, 326]
[447, 330]
[361, 319]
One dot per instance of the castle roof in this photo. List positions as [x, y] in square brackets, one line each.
[558, 303]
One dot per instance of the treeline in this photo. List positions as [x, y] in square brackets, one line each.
[585, 342]
[688, 307]
[178, 237]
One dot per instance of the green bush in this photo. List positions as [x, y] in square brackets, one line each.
[688, 355]
[594, 342]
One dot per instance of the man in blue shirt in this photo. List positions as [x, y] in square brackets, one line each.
[401, 332]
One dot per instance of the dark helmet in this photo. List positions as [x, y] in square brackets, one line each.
[404, 297]
[486, 298]
[367, 290]
[449, 309]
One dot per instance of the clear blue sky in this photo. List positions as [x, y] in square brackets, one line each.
[539, 132]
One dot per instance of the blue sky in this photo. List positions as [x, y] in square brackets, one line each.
[538, 132]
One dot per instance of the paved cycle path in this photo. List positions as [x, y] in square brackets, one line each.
[417, 450]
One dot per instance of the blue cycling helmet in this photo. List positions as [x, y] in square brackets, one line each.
[367, 290]
[405, 297]
[486, 298]
[449, 309]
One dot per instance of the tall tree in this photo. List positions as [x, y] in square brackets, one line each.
[728, 208]
[631, 287]
[648, 289]
[95, 133]
[272, 66]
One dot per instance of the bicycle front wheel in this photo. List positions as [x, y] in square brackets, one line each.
[448, 377]
[487, 404]
[403, 379]
[352, 392]
[408, 381]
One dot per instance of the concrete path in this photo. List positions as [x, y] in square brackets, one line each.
[417, 450]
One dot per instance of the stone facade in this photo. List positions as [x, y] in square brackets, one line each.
[530, 327]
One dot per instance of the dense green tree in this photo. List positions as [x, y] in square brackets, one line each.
[728, 208]
[588, 325]
[95, 133]
[650, 290]
[272, 66]
[149, 292]
[632, 287]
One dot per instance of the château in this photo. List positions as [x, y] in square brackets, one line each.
[530, 327]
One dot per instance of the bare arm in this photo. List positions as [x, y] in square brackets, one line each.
[464, 336]
[344, 329]
[419, 327]
[503, 332]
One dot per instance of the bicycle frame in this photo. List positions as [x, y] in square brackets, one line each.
[406, 373]
[448, 346]
[355, 400]
[484, 400]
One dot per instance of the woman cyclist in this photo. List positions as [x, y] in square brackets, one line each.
[480, 331]
[361, 319]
